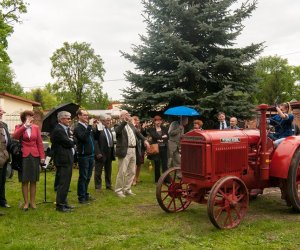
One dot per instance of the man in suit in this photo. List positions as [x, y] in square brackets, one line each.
[5, 141]
[105, 153]
[126, 148]
[63, 157]
[222, 123]
[85, 143]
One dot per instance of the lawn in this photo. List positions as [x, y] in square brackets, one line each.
[139, 223]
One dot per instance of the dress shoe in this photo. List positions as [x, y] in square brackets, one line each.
[110, 188]
[33, 207]
[69, 207]
[90, 198]
[129, 193]
[63, 209]
[5, 205]
[120, 194]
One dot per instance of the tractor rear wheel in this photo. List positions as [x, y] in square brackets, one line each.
[293, 182]
[228, 202]
[171, 193]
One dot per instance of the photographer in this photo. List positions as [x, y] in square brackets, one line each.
[282, 122]
[85, 143]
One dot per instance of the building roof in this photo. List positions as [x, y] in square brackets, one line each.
[19, 98]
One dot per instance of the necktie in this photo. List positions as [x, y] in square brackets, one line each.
[108, 136]
[223, 126]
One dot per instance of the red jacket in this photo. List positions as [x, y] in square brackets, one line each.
[32, 145]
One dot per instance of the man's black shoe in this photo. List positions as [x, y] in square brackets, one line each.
[110, 188]
[5, 205]
[90, 198]
[63, 209]
[69, 207]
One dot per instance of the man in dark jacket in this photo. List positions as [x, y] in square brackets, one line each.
[63, 156]
[85, 143]
[126, 148]
[5, 142]
[105, 153]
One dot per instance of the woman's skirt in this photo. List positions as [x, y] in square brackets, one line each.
[30, 169]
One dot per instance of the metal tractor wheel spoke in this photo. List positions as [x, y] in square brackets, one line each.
[228, 202]
[172, 197]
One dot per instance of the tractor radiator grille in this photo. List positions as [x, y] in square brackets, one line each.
[230, 159]
[192, 156]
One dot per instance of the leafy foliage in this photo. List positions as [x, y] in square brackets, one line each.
[43, 96]
[78, 72]
[7, 83]
[189, 57]
[10, 11]
[277, 79]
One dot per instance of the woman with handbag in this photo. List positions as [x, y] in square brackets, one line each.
[32, 156]
[159, 135]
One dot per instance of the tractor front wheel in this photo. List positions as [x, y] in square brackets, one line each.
[171, 193]
[228, 202]
[293, 182]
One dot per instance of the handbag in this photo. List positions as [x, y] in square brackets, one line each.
[16, 155]
[153, 149]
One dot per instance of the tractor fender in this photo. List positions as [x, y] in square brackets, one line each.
[282, 156]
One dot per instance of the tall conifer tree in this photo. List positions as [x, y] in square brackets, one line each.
[189, 57]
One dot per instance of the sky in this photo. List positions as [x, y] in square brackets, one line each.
[111, 26]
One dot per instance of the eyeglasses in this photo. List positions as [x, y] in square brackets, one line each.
[67, 118]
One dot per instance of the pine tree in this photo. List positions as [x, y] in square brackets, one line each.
[189, 57]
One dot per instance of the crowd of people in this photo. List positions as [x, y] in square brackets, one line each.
[97, 145]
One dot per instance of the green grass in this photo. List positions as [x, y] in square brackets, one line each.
[139, 223]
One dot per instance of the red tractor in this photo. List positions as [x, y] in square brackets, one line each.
[221, 167]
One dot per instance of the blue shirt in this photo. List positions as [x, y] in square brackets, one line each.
[283, 127]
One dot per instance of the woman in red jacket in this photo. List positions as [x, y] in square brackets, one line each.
[33, 155]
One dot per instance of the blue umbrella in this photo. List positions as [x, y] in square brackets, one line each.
[181, 111]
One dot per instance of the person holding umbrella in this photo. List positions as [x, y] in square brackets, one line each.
[176, 130]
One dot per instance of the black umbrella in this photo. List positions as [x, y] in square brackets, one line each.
[50, 120]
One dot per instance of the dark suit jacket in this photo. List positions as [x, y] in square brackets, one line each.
[84, 140]
[101, 146]
[61, 147]
[122, 139]
[155, 136]
[217, 125]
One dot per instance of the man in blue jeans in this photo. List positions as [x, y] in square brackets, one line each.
[85, 143]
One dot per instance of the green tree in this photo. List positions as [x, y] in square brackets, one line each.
[78, 72]
[189, 56]
[10, 11]
[277, 80]
[44, 96]
[7, 83]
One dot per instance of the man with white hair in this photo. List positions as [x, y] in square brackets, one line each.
[104, 152]
[63, 157]
[233, 123]
[126, 148]
[5, 142]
